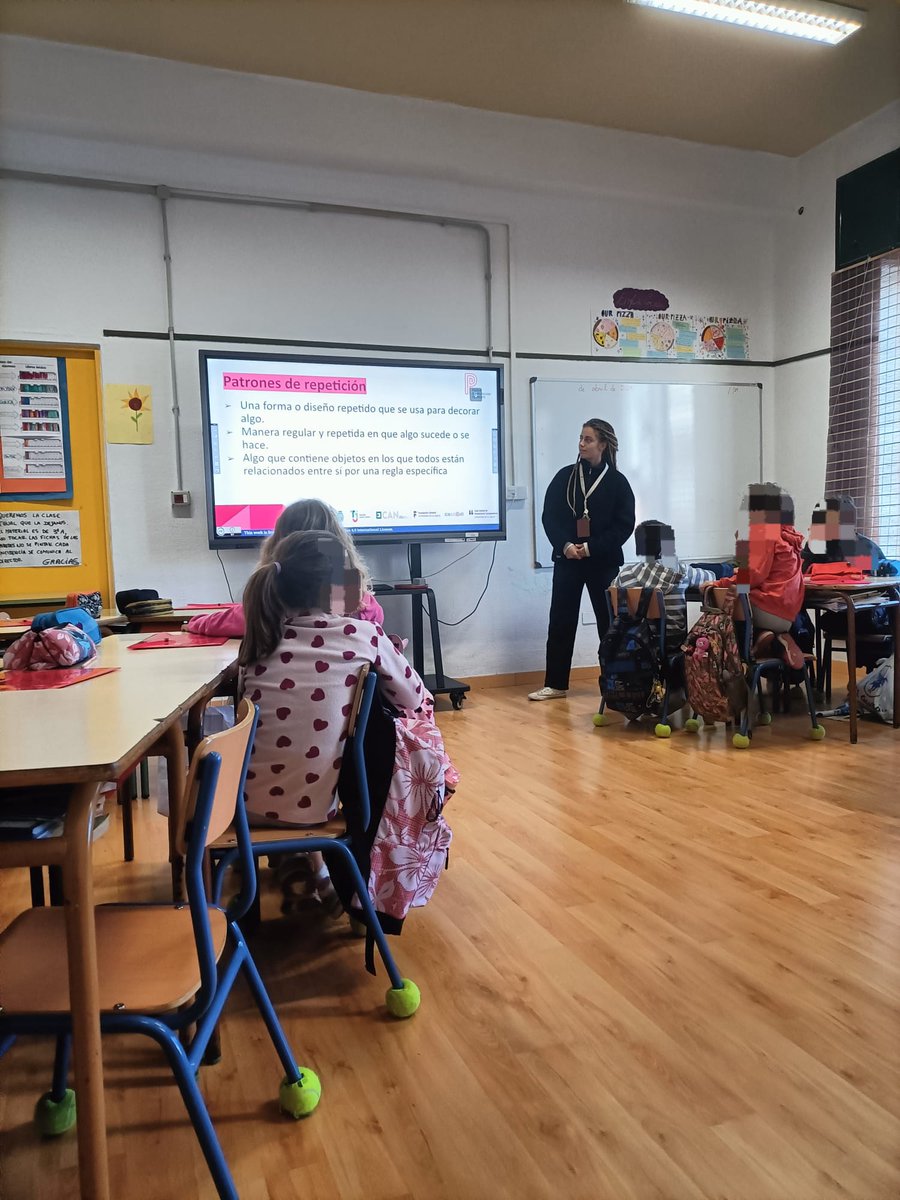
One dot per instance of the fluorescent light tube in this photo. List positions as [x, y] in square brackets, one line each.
[821, 22]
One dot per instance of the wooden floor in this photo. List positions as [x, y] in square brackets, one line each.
[656, 970]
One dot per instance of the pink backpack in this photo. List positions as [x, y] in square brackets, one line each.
[714, 673]
[409, 851]
[49, 648]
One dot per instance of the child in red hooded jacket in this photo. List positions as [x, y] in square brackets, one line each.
[770, 566]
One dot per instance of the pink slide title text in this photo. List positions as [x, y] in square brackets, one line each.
[294, 383]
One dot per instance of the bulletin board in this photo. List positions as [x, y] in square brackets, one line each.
[60, 543]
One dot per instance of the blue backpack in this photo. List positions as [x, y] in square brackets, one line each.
[78, 617]
[632, 668]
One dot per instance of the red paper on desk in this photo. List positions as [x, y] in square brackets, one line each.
[42, 681]
[207, 606]
[825, 573]
[176, 641]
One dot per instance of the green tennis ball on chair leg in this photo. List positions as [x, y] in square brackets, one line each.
[403, 1001]
[299, 1097]
[53, 1117]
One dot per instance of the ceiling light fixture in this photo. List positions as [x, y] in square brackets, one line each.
[820, 22]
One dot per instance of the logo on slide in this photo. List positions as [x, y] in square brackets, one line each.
[470, 380]
[354, 515]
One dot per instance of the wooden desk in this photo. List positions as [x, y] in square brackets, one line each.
[856, 597]
[81, 736]
[162, 622]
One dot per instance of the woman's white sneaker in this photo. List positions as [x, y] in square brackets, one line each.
[548, 693]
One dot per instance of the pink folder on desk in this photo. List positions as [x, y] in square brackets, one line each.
[210, 606]
[42, 681]
[176, 641]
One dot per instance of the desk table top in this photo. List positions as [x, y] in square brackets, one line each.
[85, 732]
[177, 614]
[875, 583]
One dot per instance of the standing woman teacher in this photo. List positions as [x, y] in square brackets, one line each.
[588, 517]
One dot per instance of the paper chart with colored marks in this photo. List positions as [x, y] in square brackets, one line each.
[35, 459]
[665, 335]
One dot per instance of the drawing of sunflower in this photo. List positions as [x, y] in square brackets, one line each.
[135, 402]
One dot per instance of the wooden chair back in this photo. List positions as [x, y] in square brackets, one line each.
[231, 745]
[357, 699]
[633, 599]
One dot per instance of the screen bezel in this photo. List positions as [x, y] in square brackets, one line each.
[363, 538]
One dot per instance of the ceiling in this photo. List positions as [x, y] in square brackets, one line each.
[600, 62]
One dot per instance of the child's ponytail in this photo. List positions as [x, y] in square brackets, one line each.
[296, 578]
[264, 614]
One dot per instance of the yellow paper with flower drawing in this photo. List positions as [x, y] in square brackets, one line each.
[129, 413]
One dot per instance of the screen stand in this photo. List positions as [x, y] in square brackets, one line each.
[438, 683]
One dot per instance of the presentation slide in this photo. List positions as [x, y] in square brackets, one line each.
[403, 451]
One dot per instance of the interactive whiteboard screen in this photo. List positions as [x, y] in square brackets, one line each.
[404, 451]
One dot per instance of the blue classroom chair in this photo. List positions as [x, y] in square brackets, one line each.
[162, 968]
[340, 840]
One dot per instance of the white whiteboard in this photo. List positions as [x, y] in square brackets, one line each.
[687, 449]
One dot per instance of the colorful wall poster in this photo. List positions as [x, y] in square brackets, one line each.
[128, 412]
[35, 457]
[666, 335]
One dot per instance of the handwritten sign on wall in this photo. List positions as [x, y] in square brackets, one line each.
[40, 538]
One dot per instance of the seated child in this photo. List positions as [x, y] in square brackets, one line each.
[302, 514]
[660, 569]
[770, 568]
[301, 658]
[834, 538]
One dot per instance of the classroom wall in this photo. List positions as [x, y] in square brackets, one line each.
[585, 211]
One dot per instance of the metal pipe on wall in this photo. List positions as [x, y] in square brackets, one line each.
[163, 194]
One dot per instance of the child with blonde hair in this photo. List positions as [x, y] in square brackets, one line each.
[298, 517]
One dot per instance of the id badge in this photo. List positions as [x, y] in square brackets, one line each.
[583, 527]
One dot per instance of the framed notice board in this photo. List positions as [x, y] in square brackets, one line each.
[54, 509]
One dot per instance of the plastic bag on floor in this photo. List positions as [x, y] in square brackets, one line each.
[876, 691]
[218, 718]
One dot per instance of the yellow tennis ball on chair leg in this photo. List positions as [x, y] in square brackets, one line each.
[403, 1001]
[297, 1098]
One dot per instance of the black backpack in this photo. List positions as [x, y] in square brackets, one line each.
[630, 659]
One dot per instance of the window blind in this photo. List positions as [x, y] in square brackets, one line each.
[863, 458]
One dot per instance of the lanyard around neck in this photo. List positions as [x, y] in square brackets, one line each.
[587, 494]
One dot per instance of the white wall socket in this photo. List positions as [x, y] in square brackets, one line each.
[516, 491]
